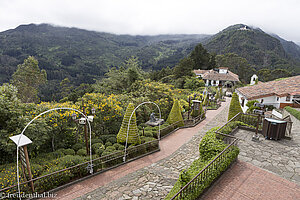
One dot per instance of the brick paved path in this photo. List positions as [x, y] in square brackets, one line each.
[244, 181]
[135, 180]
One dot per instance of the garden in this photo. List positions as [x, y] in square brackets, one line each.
[58, 153]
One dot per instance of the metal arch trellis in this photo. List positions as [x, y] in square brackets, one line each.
[124, 158]
[53, 109]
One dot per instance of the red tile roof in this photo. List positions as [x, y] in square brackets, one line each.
[214, 75]
[279, 88]
[199, 71]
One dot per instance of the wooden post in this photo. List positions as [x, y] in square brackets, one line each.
[28, 167]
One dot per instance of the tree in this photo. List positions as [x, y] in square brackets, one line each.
[27, 79]
[237, 65]
[65, 89]
[175, 114]
[183, 68]
[234, 107]
[133, 136]
[269, 75]
[201, 58]
[120, 80]
[193, 83]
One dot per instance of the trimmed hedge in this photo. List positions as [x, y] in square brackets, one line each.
[175, 114]
[209, 148]
[235, 106]
[133, 135]
[293, 112]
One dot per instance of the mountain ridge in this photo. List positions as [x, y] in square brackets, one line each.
[259, 48]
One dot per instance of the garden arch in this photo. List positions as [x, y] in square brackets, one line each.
[148, 102]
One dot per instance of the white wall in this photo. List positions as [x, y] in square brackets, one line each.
[244, 108]
[223, 71]
[253, 78]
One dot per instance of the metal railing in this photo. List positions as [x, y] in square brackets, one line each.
[206, 175]
[67, 175]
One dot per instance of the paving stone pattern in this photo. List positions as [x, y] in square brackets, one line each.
[281, 157]
[156, 180]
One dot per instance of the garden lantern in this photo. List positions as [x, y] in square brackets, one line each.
[22, 141]
[196, 104]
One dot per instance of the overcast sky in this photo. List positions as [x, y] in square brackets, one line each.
[149, 17]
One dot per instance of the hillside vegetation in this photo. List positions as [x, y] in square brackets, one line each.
[260, 49]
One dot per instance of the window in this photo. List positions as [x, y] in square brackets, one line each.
[277, 98]
[262, 100]
[243, 102]
[288, 98]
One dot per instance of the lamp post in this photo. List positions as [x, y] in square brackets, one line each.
[259, 113]
[82, 121]
[189, 100]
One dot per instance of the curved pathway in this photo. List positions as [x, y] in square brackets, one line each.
[151, 176]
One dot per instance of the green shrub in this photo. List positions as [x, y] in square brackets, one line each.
[110, 148]
[69, 152]
[115, 158]
[97, 146]
[36, 170]
[184, 177]
[69, 161]
[210, 146]
[97, 140]
[58, 153]
[107, 144]
[104, 138]
[235, 106]
[118, 146]
[145, 139]
[293, 112]
[54, 180]
[175, 114]
[77, 146]
[112, 140]
[133, 136]
[148, 133]
[99, 152]
[81, 152]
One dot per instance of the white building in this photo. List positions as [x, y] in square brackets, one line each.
[253, 79]
[279, 93]
[218, 77]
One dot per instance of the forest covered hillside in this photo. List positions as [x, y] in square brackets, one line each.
[262, 51]
[83, 55]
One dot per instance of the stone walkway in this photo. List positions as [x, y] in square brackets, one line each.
[152, 176]
[281, 157]
[156, 180]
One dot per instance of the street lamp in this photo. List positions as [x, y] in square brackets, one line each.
[259, 113]
[82, 121]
